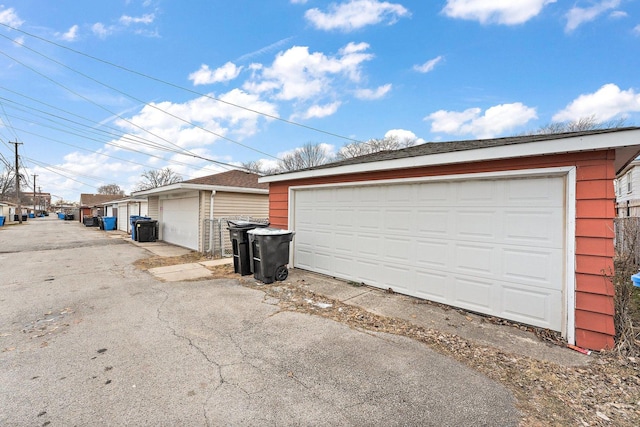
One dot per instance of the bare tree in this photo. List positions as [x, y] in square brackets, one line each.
[257, 167]
[307, 156]
[111, 189]
[7, 184]
[388, 143]
[578, 125]
[158, 178]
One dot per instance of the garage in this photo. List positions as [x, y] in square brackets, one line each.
[519, 228]
[494, 245]
[179, 221]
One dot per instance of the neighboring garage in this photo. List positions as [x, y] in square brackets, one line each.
[519, 228]
[190, 213]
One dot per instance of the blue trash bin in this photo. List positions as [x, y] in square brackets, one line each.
[1, 221]
[109, 223]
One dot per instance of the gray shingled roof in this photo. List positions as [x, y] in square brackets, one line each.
[232, 178]
[430, 148]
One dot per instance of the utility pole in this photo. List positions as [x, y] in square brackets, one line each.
[34, 195]
[18, 183]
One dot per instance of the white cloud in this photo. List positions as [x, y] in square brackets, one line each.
[10, 17]
[205, 76]
[221, 118]
[319, 111]
[636, 29]
[579, 15]
[604, 104]
[71, 34]
[297, 74]
[495, 120]
[617, 14]
[428, 66]
[144, 19]
[100, 30]
[299, 1]
[507, 12]
[355, 14]
[371, 94]
[404, 135]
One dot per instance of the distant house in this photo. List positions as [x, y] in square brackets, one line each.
[518, 228]
[627, 185]
[8, 210]
[187, 211]
[92, 205]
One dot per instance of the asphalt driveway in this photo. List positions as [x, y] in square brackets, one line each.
[87, 339]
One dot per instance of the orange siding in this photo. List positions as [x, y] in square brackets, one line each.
[595, 200]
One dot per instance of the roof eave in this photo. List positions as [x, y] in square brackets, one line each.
[626, 144]
[174, 188]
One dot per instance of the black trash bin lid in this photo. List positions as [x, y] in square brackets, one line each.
[239, 224]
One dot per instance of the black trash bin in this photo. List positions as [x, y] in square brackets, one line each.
[146, 230]
[132, 222]
[269, 252]
[240, 243]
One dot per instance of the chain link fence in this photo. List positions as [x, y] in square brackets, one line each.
[222, 247]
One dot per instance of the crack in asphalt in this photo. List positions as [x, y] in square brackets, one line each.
[193, 345]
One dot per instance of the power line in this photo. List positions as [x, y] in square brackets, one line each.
[111, 64]
[143, 102]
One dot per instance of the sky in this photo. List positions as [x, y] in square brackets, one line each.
[98, 92]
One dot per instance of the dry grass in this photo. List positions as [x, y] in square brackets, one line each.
[159, 261]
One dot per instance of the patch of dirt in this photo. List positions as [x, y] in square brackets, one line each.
[159, 261]
[604, 393]
[224, 271]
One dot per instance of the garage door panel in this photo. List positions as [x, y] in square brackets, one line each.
[477, 225]
[528, 305]
[477, 193]
[368, 271]
[367, 245]
[435, 194]
[433, 222]
[399, 279]
[534, 192]
[534, 268]
[480, 245]
[434, 254]
[475, 259]
[473, 294]
[398, 249]
[433, 286]
[533, 227]
[398, 221]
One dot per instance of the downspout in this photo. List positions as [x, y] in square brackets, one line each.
[211, 240]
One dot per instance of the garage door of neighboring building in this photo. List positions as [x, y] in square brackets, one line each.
[180, 221]
[494, 246]
[123, 219]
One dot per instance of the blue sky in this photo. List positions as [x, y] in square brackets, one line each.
[100, 91]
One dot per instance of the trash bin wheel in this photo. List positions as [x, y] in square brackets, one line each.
[281, 273]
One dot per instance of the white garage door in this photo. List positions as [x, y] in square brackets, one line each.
[123, 219]
[180, 222]
[492, 246]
